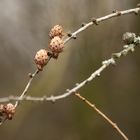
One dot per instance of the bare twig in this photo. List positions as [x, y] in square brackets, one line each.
[98, 20]
[114, 125]
[127, 48]
[31, 76]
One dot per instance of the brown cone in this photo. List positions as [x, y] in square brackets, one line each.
[41, 58]
[57, 30]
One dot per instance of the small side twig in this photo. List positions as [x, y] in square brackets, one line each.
[96, 21]
[114, 125]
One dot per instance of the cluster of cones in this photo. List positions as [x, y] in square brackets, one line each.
[55, 47]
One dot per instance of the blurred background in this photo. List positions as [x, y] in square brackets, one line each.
[24, 28]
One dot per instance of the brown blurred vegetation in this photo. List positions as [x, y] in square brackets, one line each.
[24, 28]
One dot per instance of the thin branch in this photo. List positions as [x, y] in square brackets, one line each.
[105, 64]
[114, 125]
[98, 20]
[31, 76]
[112, 61]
